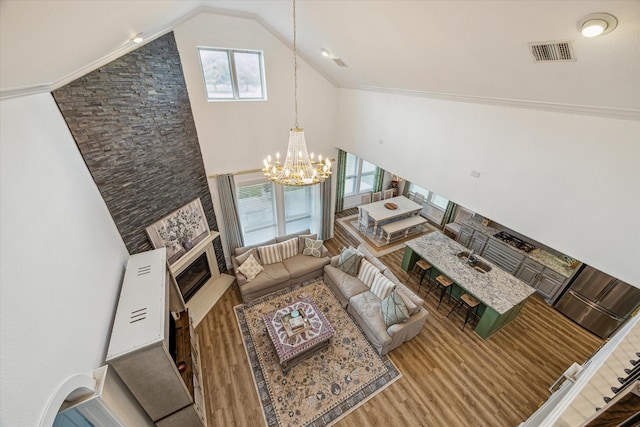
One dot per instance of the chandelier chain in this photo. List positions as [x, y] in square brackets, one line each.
[295, 66]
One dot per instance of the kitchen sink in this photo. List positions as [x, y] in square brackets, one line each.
[474, 262]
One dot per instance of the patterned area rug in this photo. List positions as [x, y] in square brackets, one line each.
[327, 385]
[377, 246]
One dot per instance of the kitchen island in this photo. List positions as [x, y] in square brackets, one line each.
[502, 296]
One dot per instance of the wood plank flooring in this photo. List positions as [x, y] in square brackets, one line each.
[450, 377]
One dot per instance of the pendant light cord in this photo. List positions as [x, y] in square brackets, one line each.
[295, 65]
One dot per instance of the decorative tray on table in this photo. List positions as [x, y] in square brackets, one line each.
[295, 323]
[391, 206]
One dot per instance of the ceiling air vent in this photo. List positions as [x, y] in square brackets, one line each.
[339, 62]
[138, 315]
[552, 51]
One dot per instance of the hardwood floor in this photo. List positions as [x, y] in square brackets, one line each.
[450, 377]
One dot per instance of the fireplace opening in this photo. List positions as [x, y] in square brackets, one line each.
[194, 276]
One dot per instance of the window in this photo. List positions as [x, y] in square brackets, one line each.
[256, 208]
[267, 210]
[359, 176]
[298, 205]
[233, 74]
[434, 204]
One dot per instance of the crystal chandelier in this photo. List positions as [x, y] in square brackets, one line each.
[299, 167]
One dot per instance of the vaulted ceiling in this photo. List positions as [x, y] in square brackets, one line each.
[467, 50]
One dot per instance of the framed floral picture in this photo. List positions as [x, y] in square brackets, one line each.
[180, 230]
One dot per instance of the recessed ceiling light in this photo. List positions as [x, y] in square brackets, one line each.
[325, 53]
[137, 38]
[597, 24]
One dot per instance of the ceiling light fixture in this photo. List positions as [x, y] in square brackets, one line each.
[325, 53]
[137, 38]
[597, 24]
[299, 168]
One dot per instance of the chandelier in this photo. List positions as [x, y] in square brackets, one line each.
[299, 168]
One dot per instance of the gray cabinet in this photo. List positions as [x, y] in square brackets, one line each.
[464, 236]
[502, 256]
[545, 281]
[478, 241]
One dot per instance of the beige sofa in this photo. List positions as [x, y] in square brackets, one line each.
[281, 275]
[366, 309]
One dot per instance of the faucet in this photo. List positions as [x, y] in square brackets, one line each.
[470, 255]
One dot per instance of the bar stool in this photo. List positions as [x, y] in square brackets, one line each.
[468, 301]
[443, 283]
[421, 268]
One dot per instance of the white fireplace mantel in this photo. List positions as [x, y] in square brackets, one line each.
[205, 298]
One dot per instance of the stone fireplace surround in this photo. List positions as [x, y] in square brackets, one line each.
[205, 297]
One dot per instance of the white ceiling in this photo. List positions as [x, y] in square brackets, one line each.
[469, 50]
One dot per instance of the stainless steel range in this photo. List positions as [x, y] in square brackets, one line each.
[514, 241]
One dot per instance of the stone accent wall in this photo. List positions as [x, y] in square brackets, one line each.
[133, 124]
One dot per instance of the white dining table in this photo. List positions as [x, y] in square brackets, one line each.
[378, 212]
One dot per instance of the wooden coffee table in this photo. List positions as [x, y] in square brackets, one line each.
[294, 345]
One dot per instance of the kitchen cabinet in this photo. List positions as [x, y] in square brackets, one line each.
[502, 256]
[464, 236]
[478, 241]
[543, 279]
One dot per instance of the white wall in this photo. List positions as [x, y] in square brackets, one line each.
[61, 260]
[237, 136]
[571, 182]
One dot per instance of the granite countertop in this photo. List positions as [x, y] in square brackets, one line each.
[496, 289]
[539, 255]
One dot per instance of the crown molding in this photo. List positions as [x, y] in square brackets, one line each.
[611, 113]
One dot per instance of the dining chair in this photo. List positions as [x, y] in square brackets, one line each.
[388, 194]
[411, 196]
[419, 198]
[365, 199]
[377, 196]
[363, 221]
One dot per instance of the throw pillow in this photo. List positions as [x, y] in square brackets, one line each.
[289, 248]
[349, 261]
[301, 239]
[381, 286]
[250, 268]
[270, 254]
[367, 272]
[243, 257]
[312, 247]
[393, 309]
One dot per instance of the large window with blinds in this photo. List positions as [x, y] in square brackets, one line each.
[267, 210]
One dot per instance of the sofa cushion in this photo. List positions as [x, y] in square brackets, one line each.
[412, 308]
[243, 249]
[371, 258]
[243, 257]
[250, 268]
[347, 285]
[367, 306]
[381, 286]
[302, 238]
[393, 309]
[301, 265]
[270, 254]
[289, 248]
[273, 273]
[312, 248]
[349, 260]
[286, 237]
[367, 272]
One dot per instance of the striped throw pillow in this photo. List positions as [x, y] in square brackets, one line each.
[381, 286]
[367, 272]
[289, 248]
[270, 254]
